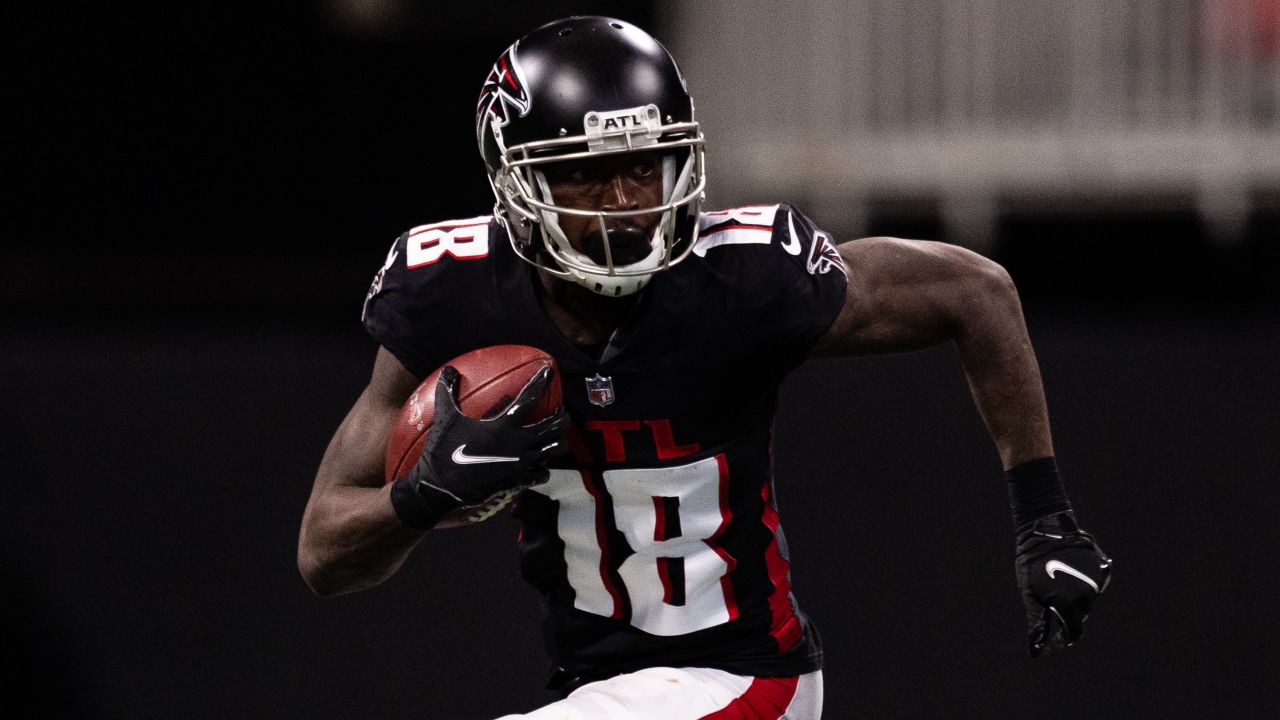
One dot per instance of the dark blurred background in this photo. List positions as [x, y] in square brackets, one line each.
[204, 192]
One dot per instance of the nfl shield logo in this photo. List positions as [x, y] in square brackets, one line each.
[600, 390]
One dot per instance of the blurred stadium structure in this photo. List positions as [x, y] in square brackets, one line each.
[972, 108]
[1108, 142]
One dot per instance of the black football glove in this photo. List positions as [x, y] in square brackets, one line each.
[466, 461]
[1061, 571]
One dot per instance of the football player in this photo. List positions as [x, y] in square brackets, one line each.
[647, 510]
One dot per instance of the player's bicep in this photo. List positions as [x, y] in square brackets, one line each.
[902, 295]
[357, 452]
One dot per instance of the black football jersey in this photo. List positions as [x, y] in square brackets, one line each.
[657, 540]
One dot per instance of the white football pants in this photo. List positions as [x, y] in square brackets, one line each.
[663, 693]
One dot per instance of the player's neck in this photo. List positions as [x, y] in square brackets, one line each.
[582, 316]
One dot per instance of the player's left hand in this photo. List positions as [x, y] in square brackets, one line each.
[1061, 571]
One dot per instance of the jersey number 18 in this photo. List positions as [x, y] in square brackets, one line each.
[677, 579]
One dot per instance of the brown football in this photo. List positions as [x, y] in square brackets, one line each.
[491, 377]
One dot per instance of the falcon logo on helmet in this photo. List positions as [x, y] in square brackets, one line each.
[503, 93]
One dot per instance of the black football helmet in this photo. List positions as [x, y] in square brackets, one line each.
[585, 87]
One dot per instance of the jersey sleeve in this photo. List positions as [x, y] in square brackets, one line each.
[435, 277]
[787, 276]
[815, 280]
[388, 309]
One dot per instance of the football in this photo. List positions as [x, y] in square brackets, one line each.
[491, 377]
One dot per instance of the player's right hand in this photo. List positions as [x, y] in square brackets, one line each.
[469, 460]
[1061, 572]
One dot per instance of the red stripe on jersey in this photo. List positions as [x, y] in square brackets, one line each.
[664, 574]
[713, 542]
[766, 699]
[786, 626]
[602, 539]
[660, 520]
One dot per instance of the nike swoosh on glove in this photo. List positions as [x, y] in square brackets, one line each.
[467, 461]
[1061, 572]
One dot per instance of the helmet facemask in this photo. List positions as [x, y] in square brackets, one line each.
[524, 192]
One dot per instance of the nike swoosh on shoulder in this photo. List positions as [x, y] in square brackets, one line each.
[792, 246]
[1056, 566]
[462, 458]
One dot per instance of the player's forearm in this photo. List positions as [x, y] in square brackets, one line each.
[351, 537]
[1002, 371]
[351, 540]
